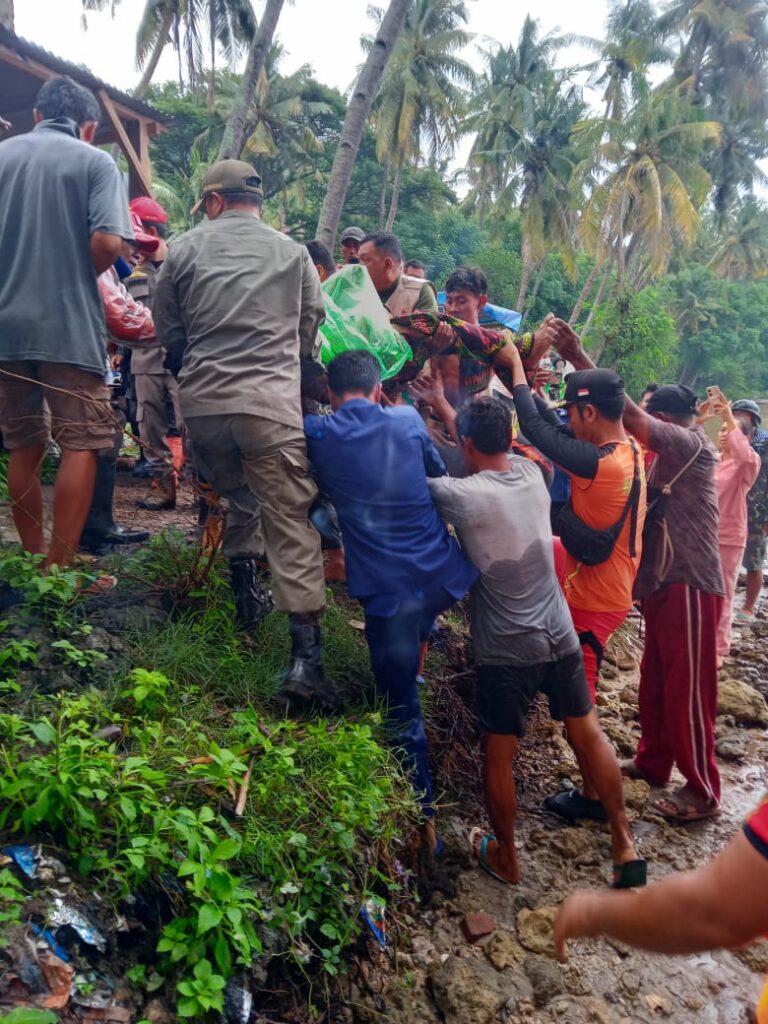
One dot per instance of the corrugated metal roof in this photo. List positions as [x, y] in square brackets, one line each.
[31, 51]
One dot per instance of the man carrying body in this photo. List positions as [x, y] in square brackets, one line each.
[607, 486]
[680, 585]
[382, 255]
[65, 221]
[401, 563]
[154, 384]
[523, 637]
[246, 302]
[748, 413]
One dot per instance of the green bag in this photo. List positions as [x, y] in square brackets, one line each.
[355, 318]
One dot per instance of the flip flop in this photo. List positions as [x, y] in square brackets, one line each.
[632, 875]
[572, 805]
[478, 845]
[684, 810]
[94, 586]
[742, 616]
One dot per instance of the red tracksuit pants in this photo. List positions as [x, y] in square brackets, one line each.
[678, 688]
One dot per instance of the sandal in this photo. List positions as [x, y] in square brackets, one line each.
[478, 847]
[632, 875]
[572, 805]
[742, 616]
[680, 809]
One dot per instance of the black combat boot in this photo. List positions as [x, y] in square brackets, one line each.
[101, 531]
[305, 680]
[252, 601]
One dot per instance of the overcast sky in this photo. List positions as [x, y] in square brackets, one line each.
[323, 33]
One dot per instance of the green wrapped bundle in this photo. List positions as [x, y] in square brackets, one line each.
[355, 318]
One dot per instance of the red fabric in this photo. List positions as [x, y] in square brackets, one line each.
[758, 821]
[559, 552]
[678, 688]
[127, 320]
[601, 625]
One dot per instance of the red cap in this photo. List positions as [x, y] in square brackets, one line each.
[148, 209]
[145, 241]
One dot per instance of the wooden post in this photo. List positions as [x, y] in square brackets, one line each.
[139, 169]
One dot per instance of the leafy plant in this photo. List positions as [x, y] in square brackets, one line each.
[12, 896]
[149, 688]
[201, 993]
[76, 656]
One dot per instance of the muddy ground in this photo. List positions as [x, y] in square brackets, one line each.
[430, 973]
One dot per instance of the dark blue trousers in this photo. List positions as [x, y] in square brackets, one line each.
[393, 643]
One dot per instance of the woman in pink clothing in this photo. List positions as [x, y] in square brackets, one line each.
[737, 471]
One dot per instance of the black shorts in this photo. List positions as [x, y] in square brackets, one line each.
[505, 693]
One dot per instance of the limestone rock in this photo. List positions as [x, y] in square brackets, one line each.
[754, 956]
[535, 930]
[545, 977]
[571, 843]
[743, 702]
[157, 1012]
[637, 793]
[504, 951]
[468, 991]
[731, 746]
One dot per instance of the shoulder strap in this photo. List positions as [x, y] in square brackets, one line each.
[632, 504]
[667, 488]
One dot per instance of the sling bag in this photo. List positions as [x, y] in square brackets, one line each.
[592, 546]
[655, 516]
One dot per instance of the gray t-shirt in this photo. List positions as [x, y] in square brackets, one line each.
[55, 192]
[517, 608]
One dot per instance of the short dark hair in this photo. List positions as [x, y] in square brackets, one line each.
[467, 279]
[321, 255]
[63, 97]
[609, 408]
[356, 370]
[386, 241]
[487, 423]
[241, 198]
[650, 389]
[160, 228]
[416, 263]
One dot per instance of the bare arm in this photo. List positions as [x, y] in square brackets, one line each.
[431, 390]
[720, 905]
[105, 249]
[568, 344]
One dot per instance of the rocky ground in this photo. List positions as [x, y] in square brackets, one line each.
[511, 974]
[445, 963]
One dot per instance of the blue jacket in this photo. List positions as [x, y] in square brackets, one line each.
[373, 463]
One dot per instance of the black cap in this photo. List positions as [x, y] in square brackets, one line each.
[676, 399]
[353, 234]
[592, 386]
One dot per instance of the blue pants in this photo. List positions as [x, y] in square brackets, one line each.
[393, 643]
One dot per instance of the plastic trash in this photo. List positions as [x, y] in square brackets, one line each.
[24, 857]
[373, 912]
[62, 914]
[356, 319]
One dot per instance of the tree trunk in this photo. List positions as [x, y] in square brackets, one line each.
[536, 285]
[151, 65]
[595, 304]
[235, 131]
[212, 78]
[525, 280]
[6, 14]
[357, 114]
[584, 294]
[383, 197]
[395, 193]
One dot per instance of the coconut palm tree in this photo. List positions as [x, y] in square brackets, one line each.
[358, 110]
[633, 44]
[646, 186]
[422, 99]
[742, 251]
[502, 107]
[191, 26]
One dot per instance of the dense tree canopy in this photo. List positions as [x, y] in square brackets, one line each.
[624, 195]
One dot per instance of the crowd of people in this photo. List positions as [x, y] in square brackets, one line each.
[555, 502]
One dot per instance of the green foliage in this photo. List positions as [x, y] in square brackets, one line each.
[202, 993]
[20, 1016]
[12, 897]
[149, 688]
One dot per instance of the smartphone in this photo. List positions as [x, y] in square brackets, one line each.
[714, 393]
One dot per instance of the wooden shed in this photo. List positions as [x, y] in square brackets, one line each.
[126, 121]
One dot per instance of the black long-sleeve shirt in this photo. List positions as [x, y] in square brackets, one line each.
[543, 430]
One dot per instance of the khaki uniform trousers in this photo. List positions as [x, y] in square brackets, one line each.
[261, 468]
[151, 389]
